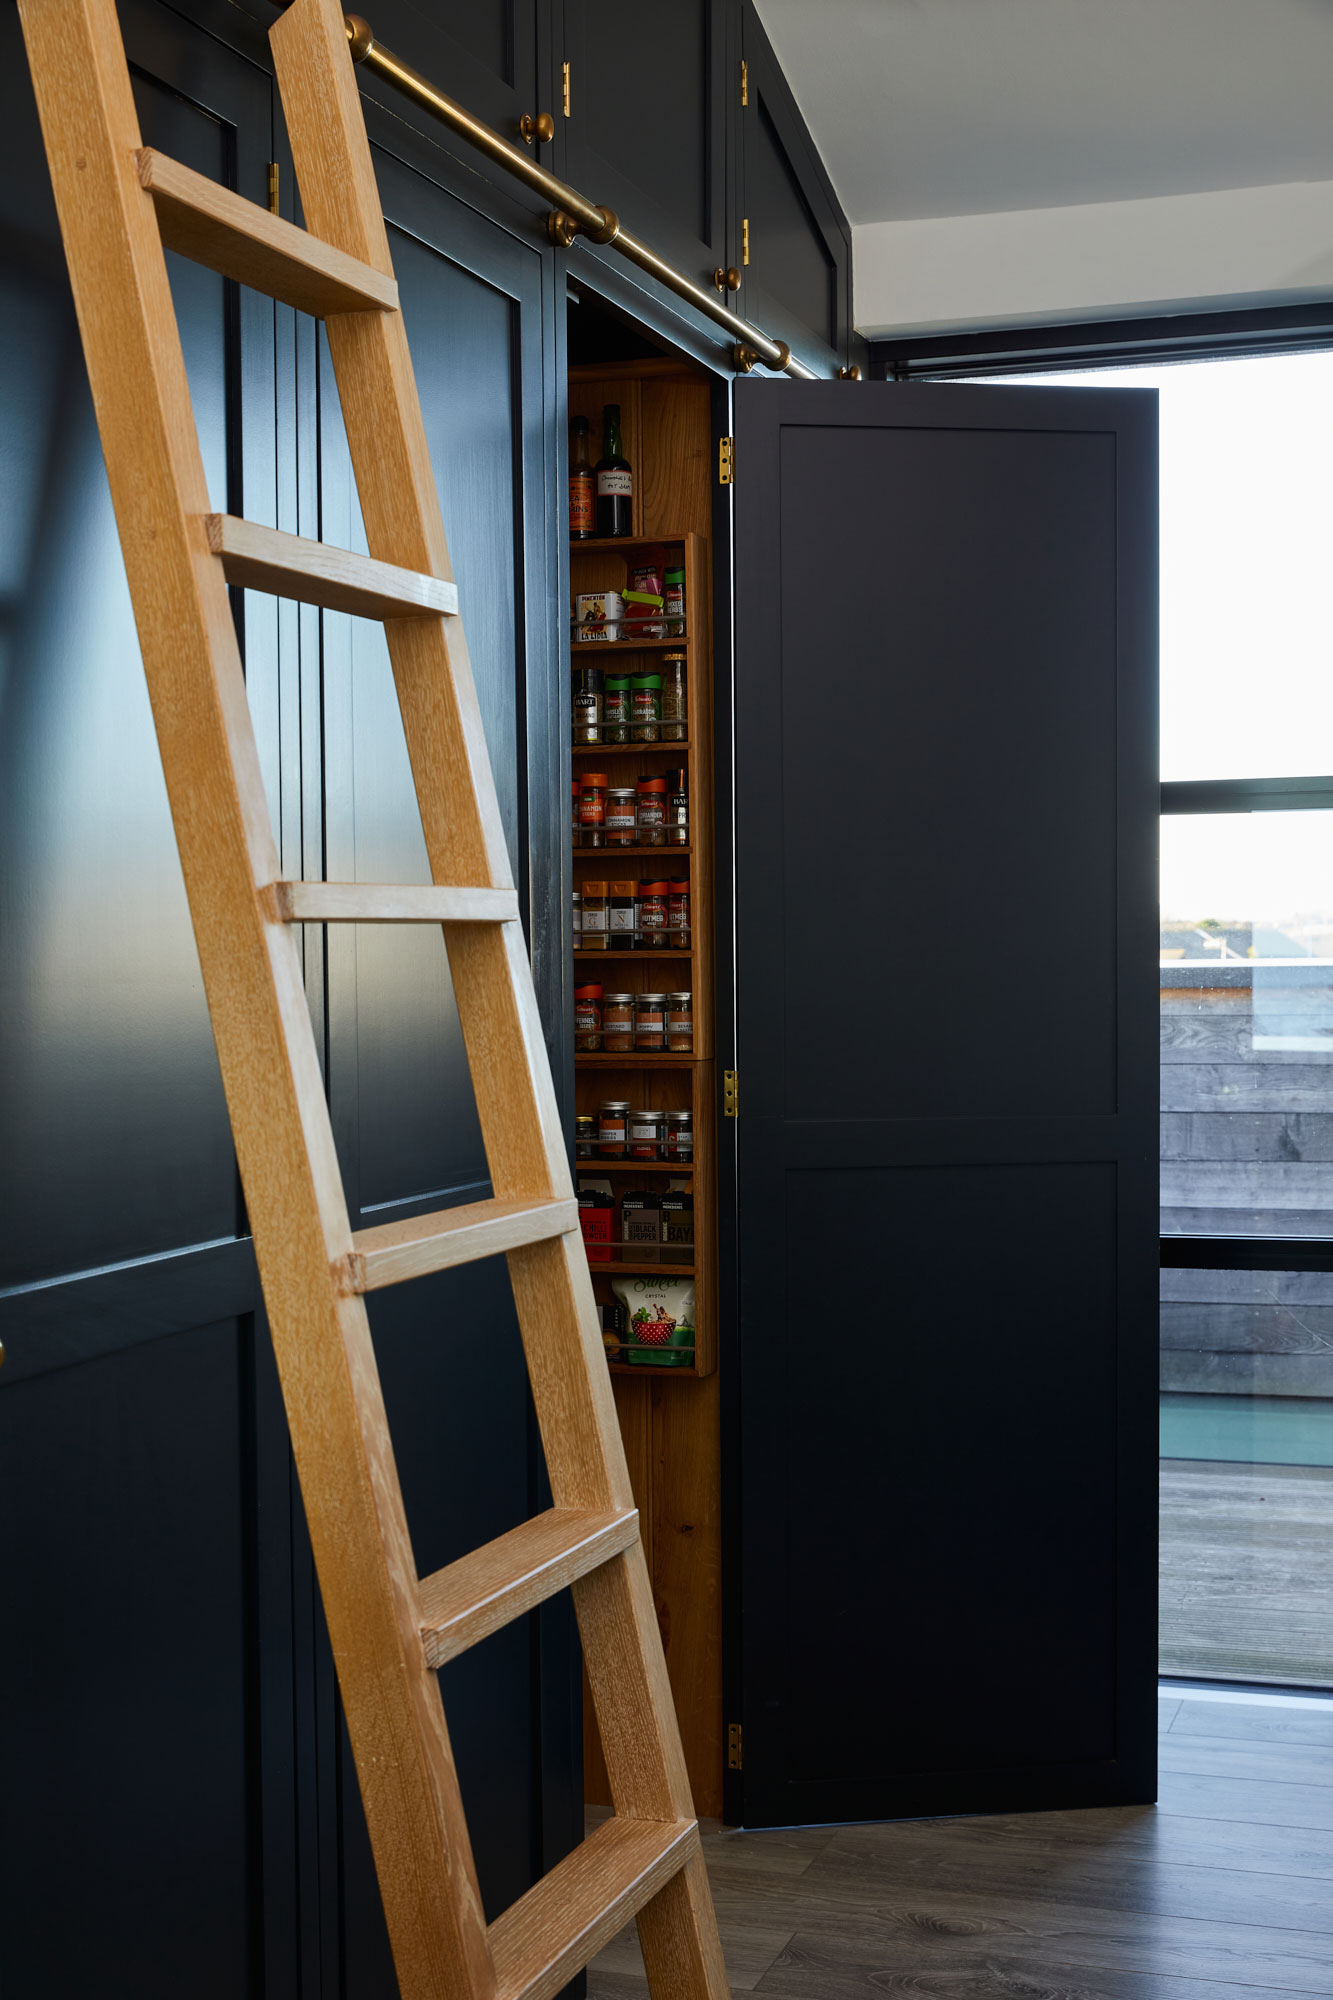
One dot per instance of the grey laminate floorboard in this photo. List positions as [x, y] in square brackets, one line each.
[1224, 1891]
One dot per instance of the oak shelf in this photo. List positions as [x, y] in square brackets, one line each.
[629, 749]
[625, 542]
[641, 1270]
[638, 1059]
[674, 953]
[599, 1166]
[635, 645]
[631, 853]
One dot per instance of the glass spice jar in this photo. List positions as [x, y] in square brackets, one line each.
[592, 808]
[588, 1020]
[645, 708]
[617, 1023]
[622, 915]
[678, 912]
[578, 828]
[622, 816]
[674, 700]
[613, 1128]
[587, 704]
[651, 810]
[652, 915]
[585, 1137]
[578, 920]
[680, 1023]
[615, 709]
[678, 1138]
[650, 1022]
[673, 602]
[645, 1135]
[594, 917]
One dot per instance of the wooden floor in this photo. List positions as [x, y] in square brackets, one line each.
[1247, 1572]
[1224, 1891]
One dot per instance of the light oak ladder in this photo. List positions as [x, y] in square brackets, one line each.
[119, 205]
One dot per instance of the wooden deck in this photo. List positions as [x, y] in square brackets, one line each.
[1223, 1891]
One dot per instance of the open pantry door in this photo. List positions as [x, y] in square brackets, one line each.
[946, 1169]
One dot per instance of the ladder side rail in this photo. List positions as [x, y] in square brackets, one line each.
[255, 992]
[493, 985]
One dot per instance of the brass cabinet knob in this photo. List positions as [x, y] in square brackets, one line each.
[728, 280]
[852, 374]
[541, 127]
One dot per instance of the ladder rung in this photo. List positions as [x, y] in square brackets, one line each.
[317, 573]
[564, 1920]
[392, 903]
[211, 225]
[396, 1251]
[475, 1596]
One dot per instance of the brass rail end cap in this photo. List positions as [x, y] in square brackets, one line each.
[610, 228]
[359, 38]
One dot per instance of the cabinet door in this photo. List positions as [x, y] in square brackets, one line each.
[482, 53]
[646, 134]
[146, 1796]
[477, 306]
[945, 805]
[797, 277]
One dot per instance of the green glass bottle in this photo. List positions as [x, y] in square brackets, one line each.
[615, 480]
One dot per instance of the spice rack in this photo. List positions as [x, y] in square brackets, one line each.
[665, 1081]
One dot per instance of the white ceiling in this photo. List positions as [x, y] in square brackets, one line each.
[960, 107]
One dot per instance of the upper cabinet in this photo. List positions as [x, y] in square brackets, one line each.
[482, 53]
[796, 251]
[646, 132]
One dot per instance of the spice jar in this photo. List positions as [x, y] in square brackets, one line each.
[680, 1023]
[677, 1227]
[594, 917]
[622, 915]
[587, 704]
[578, 830]
[678, 912]
[612, 1128]
[674, 702]
[585, 1137]
[578, 920]
[617, 1023]
[588, 1020]
[645, 708]
[652, 915]
[615, 709]
[673, 602]
[650, 1021]
[622, 816]
[651, 810]
[592, 808]
[678, 809]
[645, 1135]
[678, 1138]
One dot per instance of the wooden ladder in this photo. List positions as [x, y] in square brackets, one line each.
[119, 205]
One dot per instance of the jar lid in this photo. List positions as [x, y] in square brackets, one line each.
[617, 999]
[680, 1118]
[686, 997]
[621, 792]
[668, 658]
[584, 1118]
[575, 788]
[649, 680]
[680, 882]
[591, 778]
[616, 683]
[594, 889]
[651, 888]
[674, 572]
[647, 1112]
[587, 992]
[615, 1104]
[652, 784]
[624, 889]
[649, 999]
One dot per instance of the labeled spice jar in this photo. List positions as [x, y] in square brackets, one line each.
[597, 1213]
[650, 1021]
[645, 1135]
[673, 600]
[678, 1138]
[592, 808]
[622, 915]
[673, 699]
[593, 936]
[652, 914]
[678, 809]
[585, 1137]
[651, 797]
[677, 1227]
[615, 709]
[680, 1023]
[578, 828]
[641, 1226]
[613, 1128]
[645, 708]
[617, 1023]
[588, 1020]
[622, 816]
[678, 912]
[578, 919]
[587, 704]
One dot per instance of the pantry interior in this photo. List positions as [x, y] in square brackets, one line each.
[667, 1397]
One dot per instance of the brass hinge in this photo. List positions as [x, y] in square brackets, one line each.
[735, 1753]
[564, 87]
[273, 187]
[745, 239]
[726, 461]
[745, 81]
[731, 1089]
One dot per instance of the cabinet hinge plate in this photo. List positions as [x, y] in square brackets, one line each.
[731, 1090]
[726, 461]
[745, 81]
[564, 88]
[735, 1751]
[745, 239]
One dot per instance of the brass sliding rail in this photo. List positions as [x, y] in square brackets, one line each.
[571, 214]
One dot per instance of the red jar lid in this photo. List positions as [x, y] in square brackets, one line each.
[652, 784]
[591, 778]
[587, 992]
[653, 889]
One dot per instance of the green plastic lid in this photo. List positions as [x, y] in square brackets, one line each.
[646, 681]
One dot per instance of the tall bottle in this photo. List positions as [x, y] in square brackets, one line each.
[615, 480]
[582, 486]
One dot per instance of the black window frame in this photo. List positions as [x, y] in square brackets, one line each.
[1212, 336]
